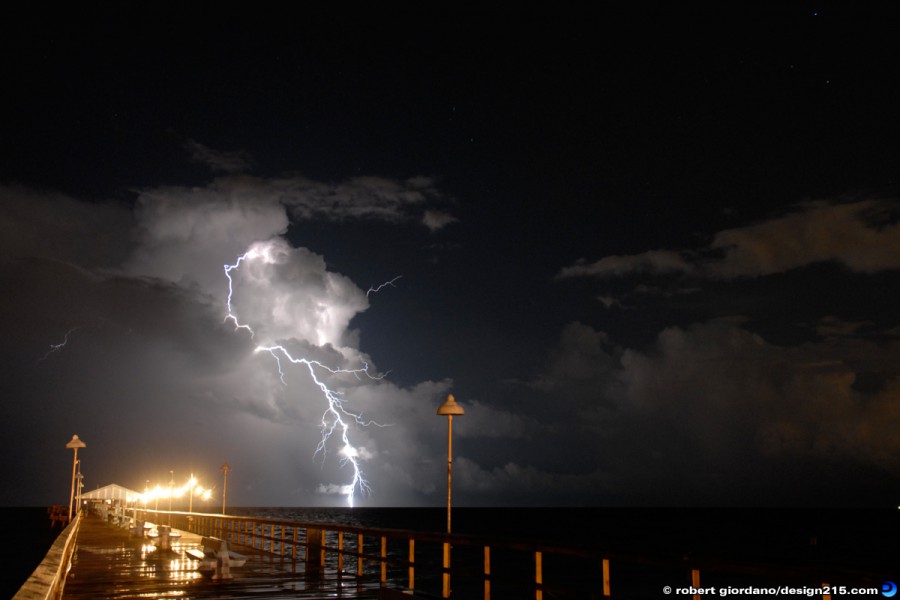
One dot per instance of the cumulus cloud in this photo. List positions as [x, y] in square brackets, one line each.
[187, 235]
[703, 398]
[287, 293]
[700, 398]
[52, 225]
[156, 372]
[186, 232]
[487, 422]
[584, 357]
[863, 236]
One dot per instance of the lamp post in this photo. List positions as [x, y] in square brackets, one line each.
[79, 486]
[75, 443]
[191, 483]
[171, 491]
[226, 468]
[450, 408]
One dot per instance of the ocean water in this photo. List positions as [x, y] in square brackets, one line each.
[862, 545]
[28, 536]
[864, 540]
[852, 536]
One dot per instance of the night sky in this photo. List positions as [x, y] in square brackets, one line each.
[656, 258]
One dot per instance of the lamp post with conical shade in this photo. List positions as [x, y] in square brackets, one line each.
[450, 408]
[75, 443]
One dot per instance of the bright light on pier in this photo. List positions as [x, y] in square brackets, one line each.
[191, 488]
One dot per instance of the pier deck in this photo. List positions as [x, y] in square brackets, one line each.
[110, 563]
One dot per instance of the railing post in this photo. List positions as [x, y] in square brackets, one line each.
[359, 558]
[313, 551]
[538, 576]
[294, 545]
[412, 564]
[487, 573]
[606, 592]
[383, 560]
[340, 569]
[695, 581]
[445, 588]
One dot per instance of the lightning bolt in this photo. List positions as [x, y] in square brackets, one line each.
[337, 417]
[56, 347]
[375, 290]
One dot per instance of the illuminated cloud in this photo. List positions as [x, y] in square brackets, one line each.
[288, 293]
[186, 235]
[152, 334]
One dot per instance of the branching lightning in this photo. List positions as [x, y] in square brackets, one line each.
[336, 416]
[375, 290]
[56, 347]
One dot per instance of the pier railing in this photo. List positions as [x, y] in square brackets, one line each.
[421, 561]
[49, 578]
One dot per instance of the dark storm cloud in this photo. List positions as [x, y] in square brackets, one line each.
[727, 389]
[364, 197]
[38, 223]
[217, 161]
[863, 236]
[707, 401]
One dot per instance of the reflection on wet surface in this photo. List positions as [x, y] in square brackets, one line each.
[110, 563]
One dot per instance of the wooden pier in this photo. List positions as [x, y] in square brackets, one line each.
[113, 557]
[110, 562]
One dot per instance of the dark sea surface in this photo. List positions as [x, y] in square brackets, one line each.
[863, 540]
[28, 537]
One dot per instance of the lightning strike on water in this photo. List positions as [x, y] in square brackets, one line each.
[333, 419]
[375, 290]
[56, 347]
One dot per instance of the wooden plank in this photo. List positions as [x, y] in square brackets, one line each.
[111, 564]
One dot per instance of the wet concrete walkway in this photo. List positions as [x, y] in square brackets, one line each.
[110, 563]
